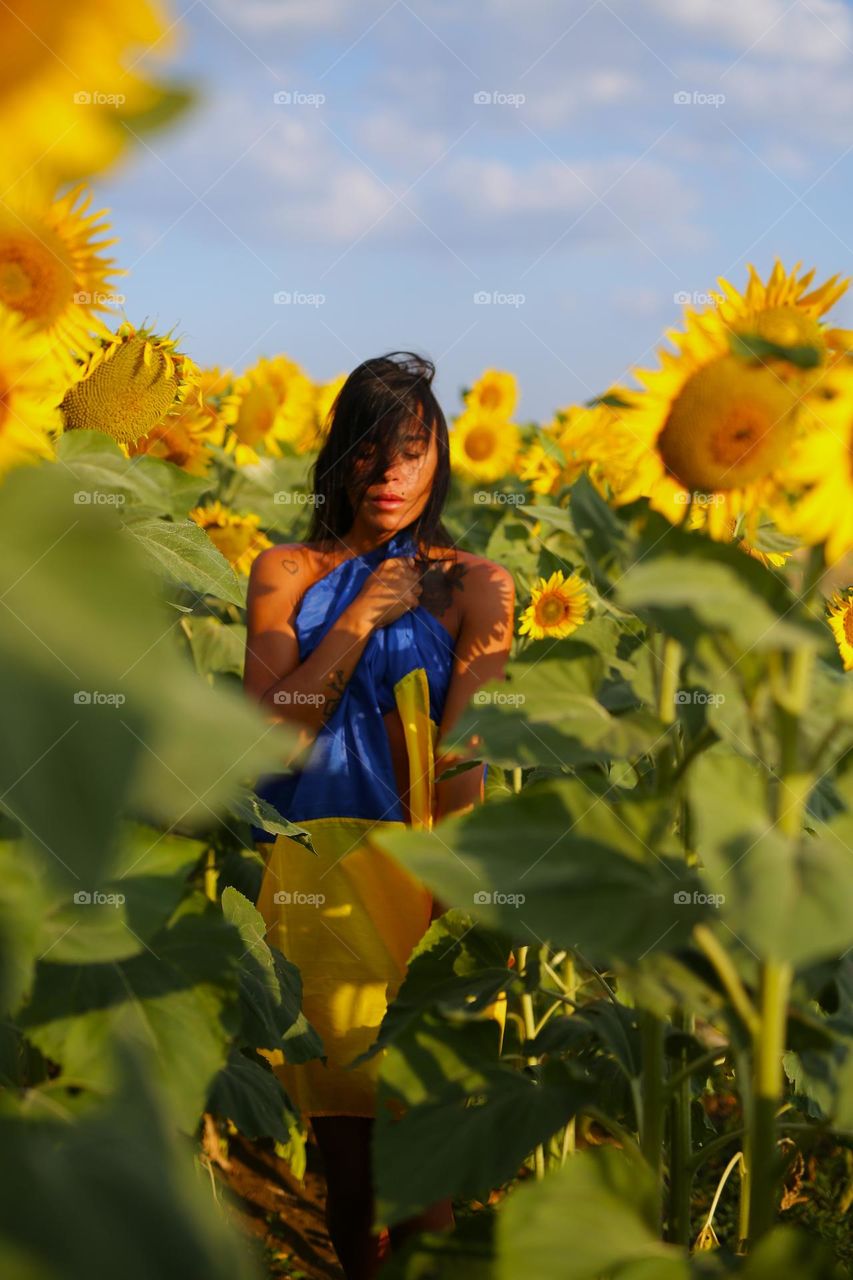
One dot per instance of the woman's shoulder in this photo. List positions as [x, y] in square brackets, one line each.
[480, 567]
[473, 575]
[293, 563]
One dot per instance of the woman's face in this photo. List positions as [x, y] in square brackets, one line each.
[396, 498]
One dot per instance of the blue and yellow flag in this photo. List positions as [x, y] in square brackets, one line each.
[348, 915]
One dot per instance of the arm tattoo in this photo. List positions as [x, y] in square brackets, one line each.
[337, 684]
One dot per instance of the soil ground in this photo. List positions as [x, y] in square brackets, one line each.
[284, 1217]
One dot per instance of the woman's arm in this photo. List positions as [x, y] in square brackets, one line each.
[480, 655]
[307, 693]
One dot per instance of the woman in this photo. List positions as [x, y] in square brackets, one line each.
[370, 638]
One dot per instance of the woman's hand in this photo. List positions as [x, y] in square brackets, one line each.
[391, 590]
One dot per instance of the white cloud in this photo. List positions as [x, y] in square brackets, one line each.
[401, 141]
[268, 15]
[314, 190]
[800, 113]
[648, 304]
[531, 205]
[551, 102]
[819, 31]
[810, 103]
[599, 100]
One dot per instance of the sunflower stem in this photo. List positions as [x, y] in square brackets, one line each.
[812, 574]
[570, 986]
[211, 876]
[681, 1143]
[670, 670]
[768, 1039]
[529, 1020]
[767, 1089]
[728, 975]
[652, 1111]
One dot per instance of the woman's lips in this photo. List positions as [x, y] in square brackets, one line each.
[386, 502]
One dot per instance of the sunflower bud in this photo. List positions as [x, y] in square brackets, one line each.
[128, 386]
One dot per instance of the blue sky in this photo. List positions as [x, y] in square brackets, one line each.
[628, 153]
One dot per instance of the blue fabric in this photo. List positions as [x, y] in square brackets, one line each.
[349, 772]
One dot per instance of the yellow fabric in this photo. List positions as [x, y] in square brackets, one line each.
[421, 733]
[349, 916]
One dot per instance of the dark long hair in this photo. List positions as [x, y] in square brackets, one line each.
[384, 402]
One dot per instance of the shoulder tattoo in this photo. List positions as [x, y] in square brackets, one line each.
[439, 585]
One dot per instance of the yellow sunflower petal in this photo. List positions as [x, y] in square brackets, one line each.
[53, 270]
[558, 606]
[31, 385]
[841, 621]
[238, 537]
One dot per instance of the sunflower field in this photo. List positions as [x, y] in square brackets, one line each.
[660, 878]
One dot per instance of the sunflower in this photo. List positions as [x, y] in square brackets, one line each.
[129, 386]
[494, 394]
[729, 425]
[65, 86]
[540, 467]
[557, 455]
[816, 484]
[238, 537]
[182, 438]
[770, 559]
[274, 406]
[586, 434]
[558, 606]
[483, 447]
[325, 394]
[590, 438]
[841, 622]
[53, 270]
[781, 312]
[218, 398]
[30, 388]
[762, 534]
[711, 428]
